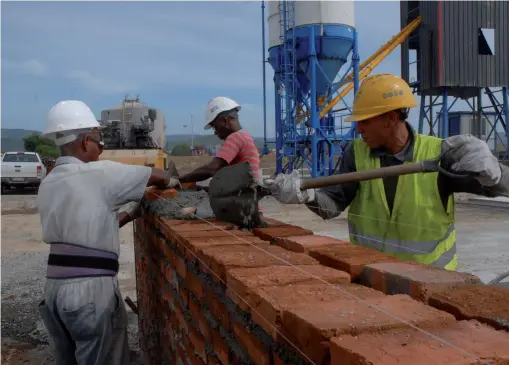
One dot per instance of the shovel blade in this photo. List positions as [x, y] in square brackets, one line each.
[234, 196]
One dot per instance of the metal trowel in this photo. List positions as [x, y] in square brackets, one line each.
[234, 192]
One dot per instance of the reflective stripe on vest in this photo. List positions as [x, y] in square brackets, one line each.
[419, 228]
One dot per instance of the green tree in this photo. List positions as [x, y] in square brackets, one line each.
[43, 146]
[182, 149]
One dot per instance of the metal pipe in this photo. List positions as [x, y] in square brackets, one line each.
[505, 94]
[314, 116]
[355, 64]
[421, 114]
[265, 148]
[279, 121]
[445, 115]
[479, 114]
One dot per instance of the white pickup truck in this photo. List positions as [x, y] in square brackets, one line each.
[22, 170]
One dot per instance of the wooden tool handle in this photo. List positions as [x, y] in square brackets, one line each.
[320, 182]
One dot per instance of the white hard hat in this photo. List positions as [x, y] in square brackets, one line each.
[218, 105]
[68, 117]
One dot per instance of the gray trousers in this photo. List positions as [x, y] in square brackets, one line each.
[87, 321]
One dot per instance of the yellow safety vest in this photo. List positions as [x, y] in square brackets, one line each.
[419, 229]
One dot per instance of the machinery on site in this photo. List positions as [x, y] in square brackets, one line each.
[313, 50]
[134, 133]
[133, 125]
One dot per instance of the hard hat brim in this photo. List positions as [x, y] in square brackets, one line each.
[208, 126]
[359, 118]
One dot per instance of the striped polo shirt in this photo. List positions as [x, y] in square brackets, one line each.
[239, 147]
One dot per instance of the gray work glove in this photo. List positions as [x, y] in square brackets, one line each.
[133, 209]
[470, 154]
[174, 182]
[286, 189]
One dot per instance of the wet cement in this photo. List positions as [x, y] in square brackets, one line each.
[234, 196]
[172, 208]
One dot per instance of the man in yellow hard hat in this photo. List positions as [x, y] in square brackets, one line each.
[410, 216]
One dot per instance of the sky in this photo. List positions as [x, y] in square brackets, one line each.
[175, 55]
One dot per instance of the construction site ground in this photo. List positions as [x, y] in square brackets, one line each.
[481, 240]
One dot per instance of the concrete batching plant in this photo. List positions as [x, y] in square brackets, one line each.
[309, 42]
[133, 125]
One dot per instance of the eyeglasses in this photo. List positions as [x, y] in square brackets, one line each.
[99, 143]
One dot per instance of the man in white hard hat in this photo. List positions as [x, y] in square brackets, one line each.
[222, 116]
[79, 203]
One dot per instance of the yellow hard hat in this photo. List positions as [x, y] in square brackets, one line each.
[380, 94]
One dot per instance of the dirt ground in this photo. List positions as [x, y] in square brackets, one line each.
[482, 249]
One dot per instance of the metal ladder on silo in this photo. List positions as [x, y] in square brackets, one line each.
[288, 73]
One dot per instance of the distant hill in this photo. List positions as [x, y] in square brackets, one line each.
[12, 139]
[200, 140]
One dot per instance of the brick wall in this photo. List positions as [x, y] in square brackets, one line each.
[209, 293]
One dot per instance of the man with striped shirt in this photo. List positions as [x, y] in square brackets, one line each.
[222, 116]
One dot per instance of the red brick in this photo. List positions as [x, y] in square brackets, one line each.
[211, 360]
[200, 319]
[168, 229]
[486, 303]
[409, 346]
[153, 193]
[188, 186]
[149, 217]
[218, 309]
[184, 237]
[180, 267]
[162, 223]
[193, 351]
[220, 348]
[268, 302]
[311, 327]
[181, 353]
[165, 248]
[184, 295]
[305, 243]
[418, 281]
[273, 222]
[350, 258]
[195, 285]
[170, 334]
[252, 345]
[198, 342]
[242, 282]
[195, 227]
[179, 314]
[271, 233]
[219, 259]
[195, 245]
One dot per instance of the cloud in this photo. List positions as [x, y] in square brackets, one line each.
[99, 84]
[176, 55]
[173, 44]
[32, 67]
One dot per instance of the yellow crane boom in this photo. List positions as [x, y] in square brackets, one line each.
[374, 60]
